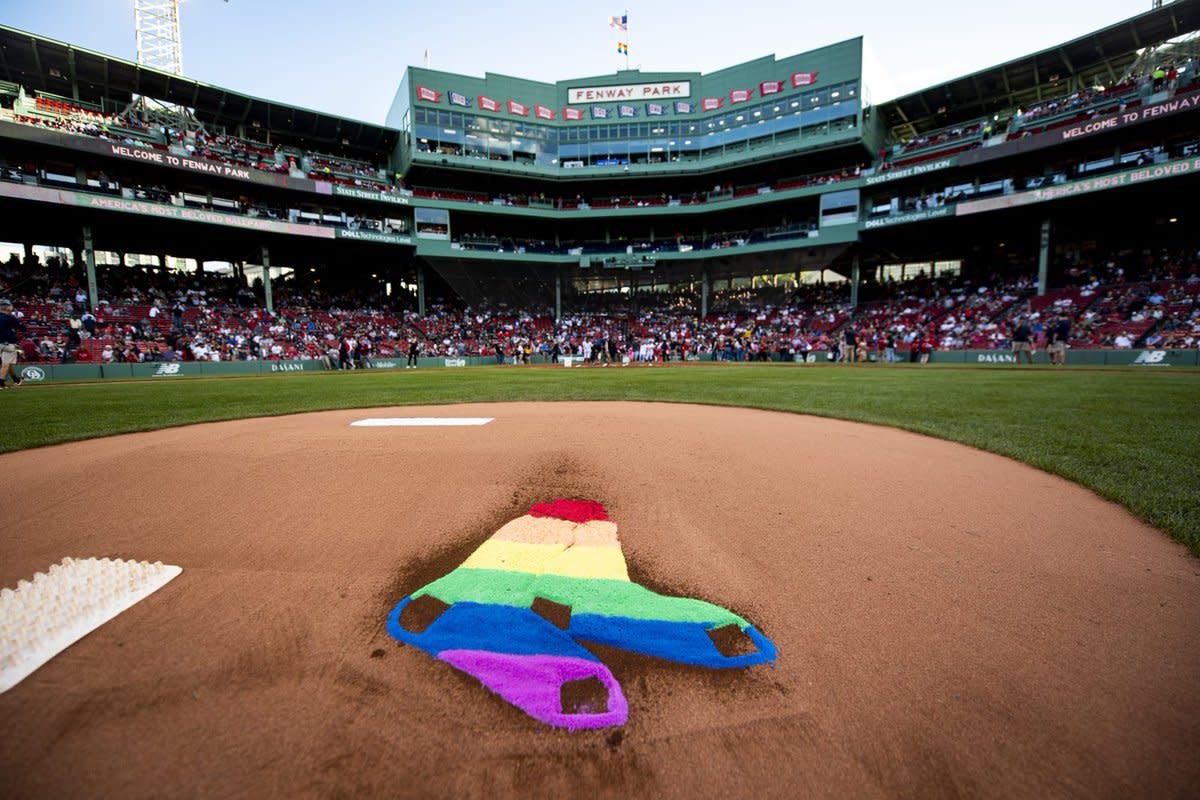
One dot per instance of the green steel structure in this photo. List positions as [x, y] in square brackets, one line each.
[500, 188]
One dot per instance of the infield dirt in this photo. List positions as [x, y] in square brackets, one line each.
[949, 622]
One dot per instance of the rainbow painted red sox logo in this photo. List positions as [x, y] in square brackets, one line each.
[516, 613]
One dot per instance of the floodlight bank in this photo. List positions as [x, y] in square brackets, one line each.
[42, 617]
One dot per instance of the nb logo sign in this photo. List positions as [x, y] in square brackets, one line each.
[166, 369]
[33, 374]
[1150, 357]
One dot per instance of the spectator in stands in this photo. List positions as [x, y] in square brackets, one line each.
[73, 343]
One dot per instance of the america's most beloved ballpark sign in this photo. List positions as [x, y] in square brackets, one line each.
[630, 91]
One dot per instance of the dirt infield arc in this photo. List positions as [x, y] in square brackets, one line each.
[948, 622]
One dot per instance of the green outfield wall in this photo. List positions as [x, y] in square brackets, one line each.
[58, 373]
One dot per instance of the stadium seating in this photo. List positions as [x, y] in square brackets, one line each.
[217, 319]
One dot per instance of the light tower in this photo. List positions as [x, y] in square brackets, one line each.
[159, 44]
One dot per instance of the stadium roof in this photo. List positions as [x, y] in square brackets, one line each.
[47, 65]
[1026, 80]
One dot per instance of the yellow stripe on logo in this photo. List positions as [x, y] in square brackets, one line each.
[580, 561]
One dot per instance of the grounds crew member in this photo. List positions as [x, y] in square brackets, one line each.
[10, 328]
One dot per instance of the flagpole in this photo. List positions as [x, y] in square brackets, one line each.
[627, 40]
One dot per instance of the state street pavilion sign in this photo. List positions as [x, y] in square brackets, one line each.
[631, 91]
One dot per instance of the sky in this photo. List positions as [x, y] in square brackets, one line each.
[346, 57]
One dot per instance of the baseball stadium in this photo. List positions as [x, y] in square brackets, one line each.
[707, 433]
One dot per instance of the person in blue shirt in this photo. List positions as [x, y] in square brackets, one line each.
[1060, 332]
[10, 340]
[1022, 341]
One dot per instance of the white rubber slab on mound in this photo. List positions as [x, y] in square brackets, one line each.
[43, 617]
[421, 422]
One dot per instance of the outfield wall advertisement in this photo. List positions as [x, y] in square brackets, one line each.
[1109, 358]
[46, 372]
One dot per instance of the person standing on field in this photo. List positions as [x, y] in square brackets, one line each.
[10, 330]
[1022, 341]
[1059, 334]
[850, 345]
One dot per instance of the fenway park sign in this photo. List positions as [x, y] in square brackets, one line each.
[631, 91]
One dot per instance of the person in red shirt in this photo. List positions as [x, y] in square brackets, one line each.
[926, 348]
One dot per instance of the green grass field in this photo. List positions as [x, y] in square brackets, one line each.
[1131, 436]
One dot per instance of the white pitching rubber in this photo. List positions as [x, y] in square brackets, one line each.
[43, 617]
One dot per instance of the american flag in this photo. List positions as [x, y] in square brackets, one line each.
[621, 22]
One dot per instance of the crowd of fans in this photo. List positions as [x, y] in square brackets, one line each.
[718, 193]
[1121, 301]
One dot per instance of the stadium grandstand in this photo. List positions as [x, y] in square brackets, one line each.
[757, 212]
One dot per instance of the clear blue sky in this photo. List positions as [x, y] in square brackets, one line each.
[347, 56]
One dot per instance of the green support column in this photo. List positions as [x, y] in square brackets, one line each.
[266, 265]
[854, 282]
[1043, 258]
[89, 260]
[557, 294]
[421, 290]
[704, 293]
